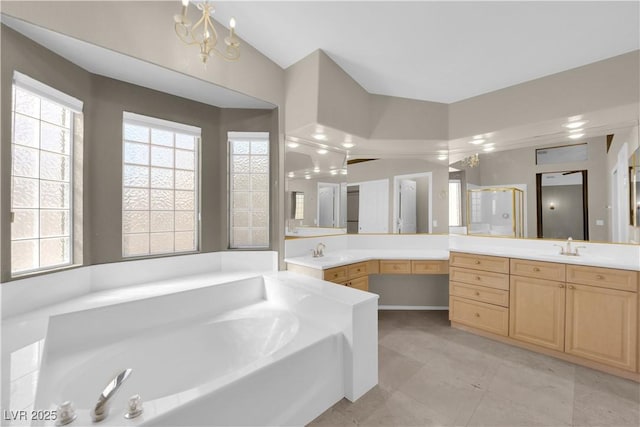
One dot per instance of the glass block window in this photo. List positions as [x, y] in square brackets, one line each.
[299, 210]
[42, 121]
[160, 186]
[249, 190]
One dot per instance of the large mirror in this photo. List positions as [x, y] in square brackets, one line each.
[315, 189]
[397, 195]
[555, 188]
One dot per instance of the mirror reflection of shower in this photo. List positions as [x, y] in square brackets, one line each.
[562, 209]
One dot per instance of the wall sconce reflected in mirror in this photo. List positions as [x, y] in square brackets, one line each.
[552, 206]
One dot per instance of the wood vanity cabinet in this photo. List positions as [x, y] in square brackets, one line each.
[354, 275]
[479, 292]
[395, 266]
[586, 316]
[602, 320]
[537, 313]
[429, 266]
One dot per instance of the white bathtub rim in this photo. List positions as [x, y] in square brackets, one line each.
[303, 339]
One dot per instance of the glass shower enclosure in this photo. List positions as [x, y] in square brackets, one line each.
[495, 211]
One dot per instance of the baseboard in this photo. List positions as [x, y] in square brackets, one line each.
[412, 307]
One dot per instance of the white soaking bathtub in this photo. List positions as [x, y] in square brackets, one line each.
[253, 352]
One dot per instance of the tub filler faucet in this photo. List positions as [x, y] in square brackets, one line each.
[101, 410]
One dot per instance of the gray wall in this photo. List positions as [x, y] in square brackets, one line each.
[104, 102]
[593, 87]
[565, 220]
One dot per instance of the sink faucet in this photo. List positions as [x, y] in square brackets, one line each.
[319, 250]
[567, 250]
[101, 410]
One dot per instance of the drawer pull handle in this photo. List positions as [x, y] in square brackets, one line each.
[478, 278]
[536, 269]
[477, 314]
[571, 287]
[335, 274]
[561, 286]
[477, 293]
[477, 262]
[599, 277]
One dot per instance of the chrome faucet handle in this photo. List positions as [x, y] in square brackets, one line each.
[561, 248]
[101, 410]
[578, 247]
[66, 413]
[134, 407]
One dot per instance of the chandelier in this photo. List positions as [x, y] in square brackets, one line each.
[203, 33]
[471, 161]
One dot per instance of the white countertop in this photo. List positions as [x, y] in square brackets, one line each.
[350, 256]
[552, 255]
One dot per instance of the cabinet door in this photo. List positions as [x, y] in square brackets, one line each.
[537, 311]
[601, 325]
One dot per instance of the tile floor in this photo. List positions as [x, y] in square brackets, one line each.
[434, 375]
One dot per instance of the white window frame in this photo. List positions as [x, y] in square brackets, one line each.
[43, 91]
[175, 127]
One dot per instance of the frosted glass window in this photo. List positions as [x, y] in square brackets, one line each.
[159, 197]
[249, 190]
[41, 180]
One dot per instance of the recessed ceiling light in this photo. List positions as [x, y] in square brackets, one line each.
[489, 148]
[334, 172]
[343, 171]
[316, 169]
[576, 135]
[442, 157]
[322, 151]
[319, 136]
[348, 144]
[307, 177]
[574, 125]
[477, 141]
[293, 144]
[291, 175]
[576, 130]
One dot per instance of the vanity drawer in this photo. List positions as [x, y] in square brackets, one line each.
[479, 262]
[611, 278]
[480, 293]
[390, 266]
[538, 269]
[429, 267]
[358, 270]
[337, 274]
[490, 318]
[361, 283]
[482, 278]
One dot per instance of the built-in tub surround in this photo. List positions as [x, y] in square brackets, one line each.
[278, 328]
